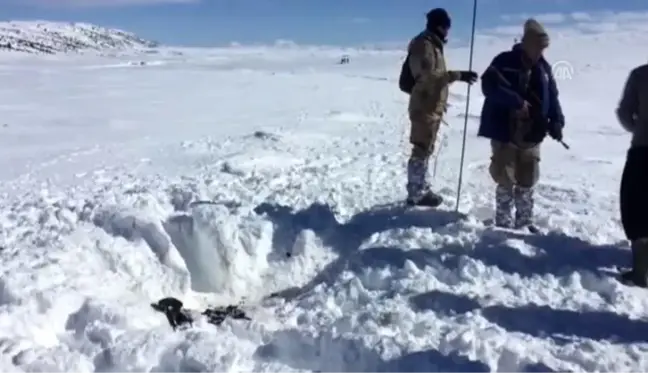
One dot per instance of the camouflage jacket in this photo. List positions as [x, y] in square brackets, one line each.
[428, 66]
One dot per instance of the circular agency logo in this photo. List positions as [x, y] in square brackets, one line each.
[562, 70]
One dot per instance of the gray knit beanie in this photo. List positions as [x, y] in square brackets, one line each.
[535, 33]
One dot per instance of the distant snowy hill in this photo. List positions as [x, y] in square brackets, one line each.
[57, 37]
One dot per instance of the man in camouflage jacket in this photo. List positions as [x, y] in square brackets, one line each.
[428, 102]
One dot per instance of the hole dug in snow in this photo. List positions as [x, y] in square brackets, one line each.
[221, 252]
[225, 253]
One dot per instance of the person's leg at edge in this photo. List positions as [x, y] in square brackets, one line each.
[423, 137]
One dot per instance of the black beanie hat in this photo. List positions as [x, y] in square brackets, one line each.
[438, 17]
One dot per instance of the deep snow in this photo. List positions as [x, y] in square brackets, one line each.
[193, 176]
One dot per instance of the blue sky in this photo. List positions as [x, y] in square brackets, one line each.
[339, 22]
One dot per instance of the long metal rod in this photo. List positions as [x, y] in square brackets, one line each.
[465, 132]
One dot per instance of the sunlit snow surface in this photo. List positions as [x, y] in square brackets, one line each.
[194, 175]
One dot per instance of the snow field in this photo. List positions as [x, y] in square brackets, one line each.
[125, 185]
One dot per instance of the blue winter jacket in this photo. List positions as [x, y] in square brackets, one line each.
[503, 96]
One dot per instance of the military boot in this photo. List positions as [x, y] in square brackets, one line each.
[637, 276]
[524, 204]
[504, 207]
[418, 188]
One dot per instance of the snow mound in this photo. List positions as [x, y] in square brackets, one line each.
[57, 37]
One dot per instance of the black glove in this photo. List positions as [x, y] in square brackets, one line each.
[468, 76]
[555, 131]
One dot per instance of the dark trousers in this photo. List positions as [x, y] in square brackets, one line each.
[634, 194]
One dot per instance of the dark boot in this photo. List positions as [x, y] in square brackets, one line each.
[638, 276]
[418, 188]
[428, 199]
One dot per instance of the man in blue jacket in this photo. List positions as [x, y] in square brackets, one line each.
[521, 107]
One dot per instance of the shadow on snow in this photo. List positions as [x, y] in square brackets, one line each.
[558, 255]
[562, 325]
[346, 238]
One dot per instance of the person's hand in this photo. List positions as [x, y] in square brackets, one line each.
[555, 131]
[468, 76]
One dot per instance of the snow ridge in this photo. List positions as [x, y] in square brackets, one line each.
[58, 37]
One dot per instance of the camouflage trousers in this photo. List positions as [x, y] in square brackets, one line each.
[423, 136]
[515, 170]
